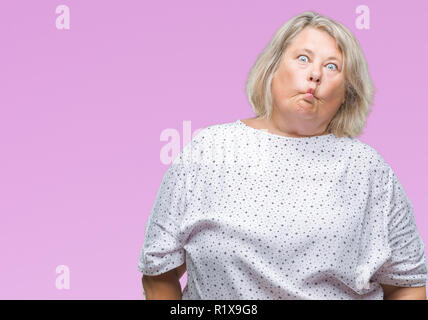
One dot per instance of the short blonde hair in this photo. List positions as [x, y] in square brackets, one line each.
[351, 116]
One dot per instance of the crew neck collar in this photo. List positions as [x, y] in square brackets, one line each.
[277, 136]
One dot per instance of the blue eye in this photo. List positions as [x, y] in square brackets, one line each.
[327, 64]
[333, 65]
[301, 56]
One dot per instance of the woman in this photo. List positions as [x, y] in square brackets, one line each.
[288, 204]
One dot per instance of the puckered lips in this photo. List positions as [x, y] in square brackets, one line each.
[309, 95]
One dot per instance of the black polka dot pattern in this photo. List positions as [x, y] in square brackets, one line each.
[257, 215]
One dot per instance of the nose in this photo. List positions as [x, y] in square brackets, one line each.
[314, 78]
[314, 75]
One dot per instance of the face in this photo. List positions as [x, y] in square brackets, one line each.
[320, 69]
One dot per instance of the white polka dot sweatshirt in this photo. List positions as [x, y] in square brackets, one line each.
[257, 215]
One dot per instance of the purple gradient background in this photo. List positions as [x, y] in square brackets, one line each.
[82, 111]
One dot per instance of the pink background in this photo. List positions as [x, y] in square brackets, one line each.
[82, 112]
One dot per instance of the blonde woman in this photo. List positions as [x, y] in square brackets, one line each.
[288, 204]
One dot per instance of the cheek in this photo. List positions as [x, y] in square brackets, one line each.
[335, 89]
[281, 89]
[294, 73]
[286, 81]
[338, 82]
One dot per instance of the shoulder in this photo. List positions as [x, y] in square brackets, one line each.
[379, 170]
[205, 140]
[209, 135]
[366, 156]
[218, 129]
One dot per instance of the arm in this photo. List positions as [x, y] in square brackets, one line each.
[165, 286]
[403, 293]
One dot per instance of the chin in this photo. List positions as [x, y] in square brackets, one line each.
[306, 109]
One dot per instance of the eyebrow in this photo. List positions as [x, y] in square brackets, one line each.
[311, 52]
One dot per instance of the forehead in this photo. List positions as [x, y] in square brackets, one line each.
[316, 40]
